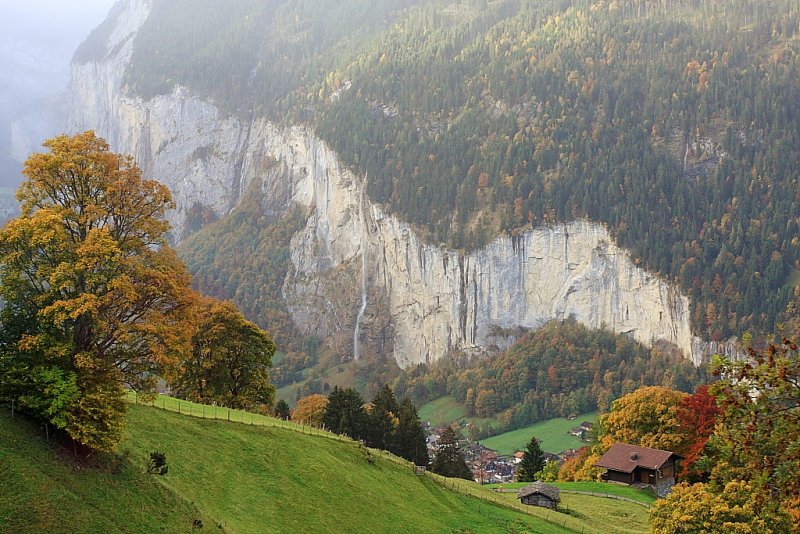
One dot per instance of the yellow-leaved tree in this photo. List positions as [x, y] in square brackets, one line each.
[95, 299]
[648, 417]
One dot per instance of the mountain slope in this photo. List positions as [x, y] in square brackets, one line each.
[567, 145]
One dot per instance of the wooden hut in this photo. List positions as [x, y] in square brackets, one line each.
[540, 494]
[640, 466]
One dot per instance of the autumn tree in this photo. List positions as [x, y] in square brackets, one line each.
[95, 300]
[648, 417]
[532, 461]
[449, 460]
[230, 360]
[757, 437]
[697, 416]
[737, 508]
[345, 414]
[310, 410]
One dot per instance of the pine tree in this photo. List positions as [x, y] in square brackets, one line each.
[383, 421]
[449, 459]
[532, 462]
[282, 410]
[411, 437]
[345, 413]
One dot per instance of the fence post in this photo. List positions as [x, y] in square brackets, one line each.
[179, 406]
[204, 411]
[229, 414]
[12, 408]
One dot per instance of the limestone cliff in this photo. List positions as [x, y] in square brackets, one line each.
[428, 300]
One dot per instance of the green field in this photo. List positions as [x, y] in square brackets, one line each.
[442, 411]
[553, 434]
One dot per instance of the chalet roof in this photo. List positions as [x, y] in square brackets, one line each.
[548, 491]
[625, 458]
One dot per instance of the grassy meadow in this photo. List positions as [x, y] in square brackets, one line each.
[553, 433]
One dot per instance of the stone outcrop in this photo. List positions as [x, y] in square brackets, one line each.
[434, 299]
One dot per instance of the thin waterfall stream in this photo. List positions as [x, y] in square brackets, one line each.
[363, 308]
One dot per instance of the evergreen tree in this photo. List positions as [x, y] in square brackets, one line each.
[345, 413]
[411, 437]
[383, 421]
[532, 462]
[449, 459]
[282, 410]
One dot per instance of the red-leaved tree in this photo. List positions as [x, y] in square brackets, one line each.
[697, 415]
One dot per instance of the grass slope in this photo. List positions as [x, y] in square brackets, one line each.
[42, 489]
[272, 479]
[552, 432]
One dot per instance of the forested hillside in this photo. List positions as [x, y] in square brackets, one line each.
[673, 122]
[559, 370]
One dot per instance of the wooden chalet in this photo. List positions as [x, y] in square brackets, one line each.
[640, 466]
[540, 494]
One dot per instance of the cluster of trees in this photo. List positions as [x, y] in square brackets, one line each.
[558, 370]
[740, 438]
[384, 423]
[251, 56]
[95, 302]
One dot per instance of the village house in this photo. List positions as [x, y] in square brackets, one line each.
[582, 431]
[540, 494]
[640, 467]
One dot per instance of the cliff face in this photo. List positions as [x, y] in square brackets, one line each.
[423, 299]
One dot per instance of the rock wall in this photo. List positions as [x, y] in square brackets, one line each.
[433, 299]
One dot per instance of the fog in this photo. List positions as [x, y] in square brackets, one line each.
[37, 40]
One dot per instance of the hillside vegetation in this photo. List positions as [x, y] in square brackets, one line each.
[559, 370]
[671, 121]
[261, 479]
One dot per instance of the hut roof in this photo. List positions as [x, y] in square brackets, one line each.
[625, 458]
[547, 490]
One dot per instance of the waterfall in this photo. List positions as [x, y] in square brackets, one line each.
[363, 308]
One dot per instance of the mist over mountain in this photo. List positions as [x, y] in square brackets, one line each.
[37, 40]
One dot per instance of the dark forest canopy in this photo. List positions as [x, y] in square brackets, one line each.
[673, 122]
